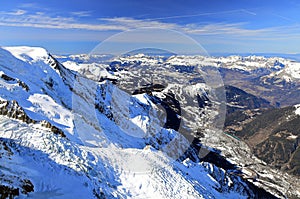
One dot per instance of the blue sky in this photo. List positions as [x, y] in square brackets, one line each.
[219, 26]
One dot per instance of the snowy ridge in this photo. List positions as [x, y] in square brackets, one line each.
[26, 53]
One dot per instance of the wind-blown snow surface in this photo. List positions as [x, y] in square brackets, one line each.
[89, 140]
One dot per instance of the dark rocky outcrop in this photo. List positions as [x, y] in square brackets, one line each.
[13, 80]
[13, 110]
[8, 192]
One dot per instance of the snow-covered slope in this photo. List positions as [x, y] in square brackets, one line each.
[63, 135]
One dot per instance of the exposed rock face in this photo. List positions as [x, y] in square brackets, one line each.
[8, 192]
[13, 80]
[13, 110]
[54, 129]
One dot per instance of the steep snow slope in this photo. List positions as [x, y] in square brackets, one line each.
[68, 136]
[58, 168]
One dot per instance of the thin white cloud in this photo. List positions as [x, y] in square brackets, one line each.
[248, 12]
[40, 13]
[28, 5]
[131, 23]
[81, 13]
[34, 7]
[222, 29]
[205, 14]
[202, 29]
[14, 13]
[21, 18]
[40, 20]
[283, 17]
[18, 12]
[57, 26]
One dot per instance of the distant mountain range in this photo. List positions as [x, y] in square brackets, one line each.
[151, 52]
[294, 56]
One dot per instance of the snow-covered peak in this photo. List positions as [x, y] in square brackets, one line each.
[28, 54]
